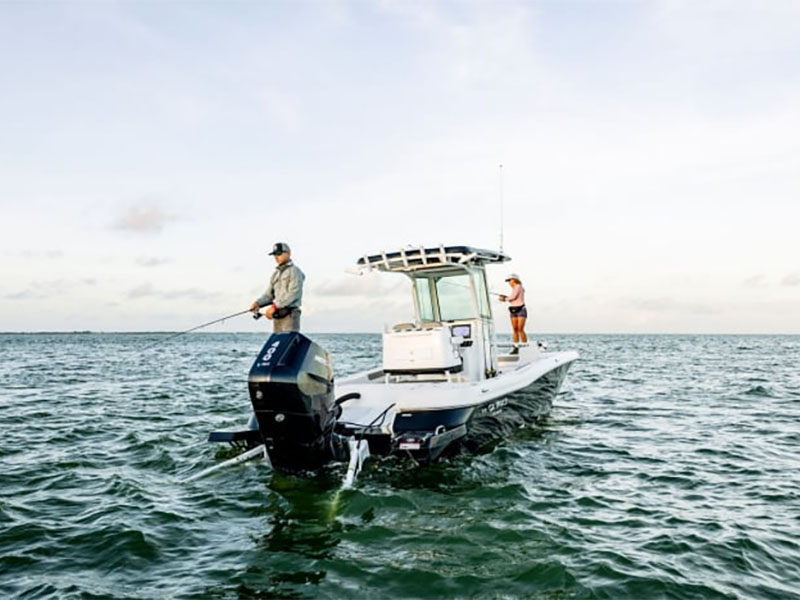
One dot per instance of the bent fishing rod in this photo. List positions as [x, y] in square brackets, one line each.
[256, 315]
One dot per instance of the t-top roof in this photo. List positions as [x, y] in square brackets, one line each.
[419, 259]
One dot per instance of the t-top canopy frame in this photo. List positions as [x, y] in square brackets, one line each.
[410, 259]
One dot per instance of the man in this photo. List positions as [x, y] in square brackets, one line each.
[284, 292]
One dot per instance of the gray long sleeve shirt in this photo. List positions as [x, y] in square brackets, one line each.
[285, 287]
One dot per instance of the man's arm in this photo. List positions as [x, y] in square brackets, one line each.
[266, 298]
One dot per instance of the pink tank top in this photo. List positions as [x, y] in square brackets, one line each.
[517, 296]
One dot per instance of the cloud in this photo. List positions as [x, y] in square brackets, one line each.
[39, 254]
[756, 281]
[791, 280]
[147, 290]
[190, 294]
[39, 290]
[28, 294]
[142, 291]
[360, 316]
[152, 261]
[663, 305]
[355, 286]
[282, 109]
[475, 44]
[146, 218]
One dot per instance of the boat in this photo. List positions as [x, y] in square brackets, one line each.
[442, 385]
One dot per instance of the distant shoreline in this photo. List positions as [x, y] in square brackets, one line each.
[543, 333]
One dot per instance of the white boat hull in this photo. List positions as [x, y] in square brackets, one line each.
[397, 416]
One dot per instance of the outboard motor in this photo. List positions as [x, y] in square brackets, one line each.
[291, 389]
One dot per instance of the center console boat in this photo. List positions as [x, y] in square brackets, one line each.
[441, 384]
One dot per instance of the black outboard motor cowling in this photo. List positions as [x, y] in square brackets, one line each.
[291, 389]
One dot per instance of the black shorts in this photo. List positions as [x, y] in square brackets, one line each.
[518, 312]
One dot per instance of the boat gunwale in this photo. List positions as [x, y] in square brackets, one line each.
[490, 393]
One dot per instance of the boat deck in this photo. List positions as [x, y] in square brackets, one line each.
[381, 397]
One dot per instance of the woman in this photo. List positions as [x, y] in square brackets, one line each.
[516, 306]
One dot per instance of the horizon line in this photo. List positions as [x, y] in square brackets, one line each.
[165, 332]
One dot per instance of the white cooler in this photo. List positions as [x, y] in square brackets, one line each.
[420, 350]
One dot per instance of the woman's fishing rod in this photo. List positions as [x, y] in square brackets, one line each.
[256, 315]
[461, 285]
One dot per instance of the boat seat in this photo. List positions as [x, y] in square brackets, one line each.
[403, 327]
[430, 325]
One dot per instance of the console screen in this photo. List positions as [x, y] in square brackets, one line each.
[462, 331]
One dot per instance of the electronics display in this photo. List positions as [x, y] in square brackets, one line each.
[464, 331]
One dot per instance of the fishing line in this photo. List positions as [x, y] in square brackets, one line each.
[466, 287]
[174, 335]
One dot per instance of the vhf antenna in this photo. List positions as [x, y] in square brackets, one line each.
[501, 209]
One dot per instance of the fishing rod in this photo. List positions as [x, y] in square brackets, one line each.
[256, 315]
[461, 285]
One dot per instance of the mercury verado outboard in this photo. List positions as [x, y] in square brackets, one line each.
[441, 385]
[294, 410]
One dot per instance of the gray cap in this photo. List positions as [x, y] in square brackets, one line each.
[280, 248]
[513, 276]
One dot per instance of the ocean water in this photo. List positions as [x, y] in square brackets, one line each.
[668, 468]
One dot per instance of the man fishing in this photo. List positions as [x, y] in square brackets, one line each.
[284, 293]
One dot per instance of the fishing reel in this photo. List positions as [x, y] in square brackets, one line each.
[257, 315]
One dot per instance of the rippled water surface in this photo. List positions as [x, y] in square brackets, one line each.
[669, 468]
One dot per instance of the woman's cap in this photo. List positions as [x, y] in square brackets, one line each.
[513, 276]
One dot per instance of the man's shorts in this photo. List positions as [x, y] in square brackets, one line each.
[290, 322]
[518, 312]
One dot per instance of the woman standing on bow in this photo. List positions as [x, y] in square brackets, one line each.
[516, 307]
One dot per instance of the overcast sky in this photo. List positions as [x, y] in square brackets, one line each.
[151, 153]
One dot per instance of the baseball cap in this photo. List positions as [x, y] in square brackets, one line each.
[513, 276]
[280, 248]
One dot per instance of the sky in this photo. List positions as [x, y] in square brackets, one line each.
[152, 152]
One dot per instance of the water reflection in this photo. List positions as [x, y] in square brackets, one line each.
[298, 537]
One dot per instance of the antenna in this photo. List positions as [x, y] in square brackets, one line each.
[501, 209]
